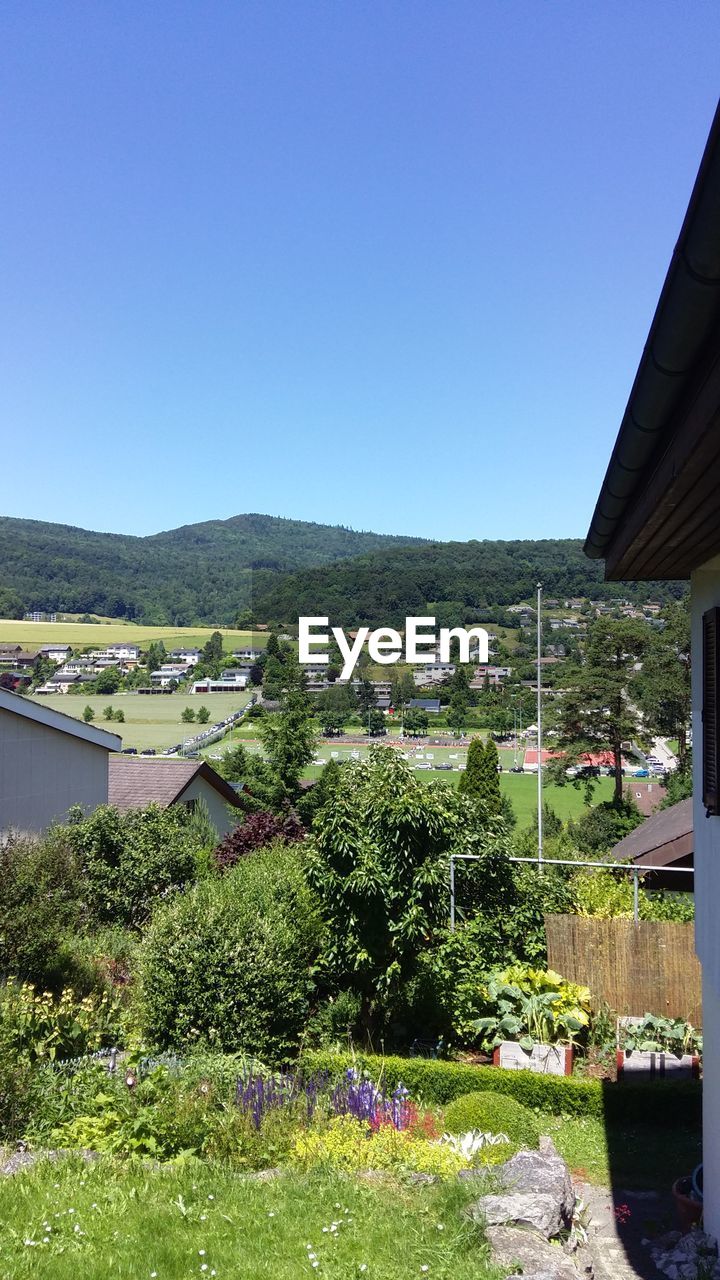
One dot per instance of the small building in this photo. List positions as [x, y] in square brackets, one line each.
[128, 652]
[663, 840]
[167, 674]
[136, 783]
[190, 657]
[431, 705]
[208, 685]
[48, 763]
[55, 652]
[18, 658]
[249, 654]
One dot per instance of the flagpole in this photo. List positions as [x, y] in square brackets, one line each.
[539, 728]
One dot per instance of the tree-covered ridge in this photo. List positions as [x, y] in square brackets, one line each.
[269, 569]
[454, 581]
[194, 574]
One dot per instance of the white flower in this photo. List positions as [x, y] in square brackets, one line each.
[153, 1275]
[211, 1197]
[271, 1213]
[441, 1226]
[424, 1267]
[201, 1253]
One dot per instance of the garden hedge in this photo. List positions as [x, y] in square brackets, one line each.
[434, 1081]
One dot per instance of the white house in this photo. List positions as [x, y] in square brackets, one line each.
[658, 517]
[128, 652]
[56, 652]
[168, 672]
[48, 762]
[190, 657]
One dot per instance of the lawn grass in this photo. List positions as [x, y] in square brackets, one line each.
[132, 1222]
[642, 1158]
[98, 634]
[151, 720]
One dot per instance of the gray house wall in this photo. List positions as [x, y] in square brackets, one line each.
[43, 773]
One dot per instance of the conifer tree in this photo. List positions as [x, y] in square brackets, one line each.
[490, 777]
[471, 781]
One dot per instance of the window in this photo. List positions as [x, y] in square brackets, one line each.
[711, 711]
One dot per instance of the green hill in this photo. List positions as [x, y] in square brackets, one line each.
[195, 574]
[453, 581]
[276, 570]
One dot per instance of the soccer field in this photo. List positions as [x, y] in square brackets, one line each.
[151, 720]
[98, 634]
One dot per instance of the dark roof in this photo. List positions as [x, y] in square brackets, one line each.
[134, 783]
[664, 839]
[425, 704]
[657, 514]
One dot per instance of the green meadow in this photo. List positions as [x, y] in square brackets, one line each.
[98, 634]
[151, 720]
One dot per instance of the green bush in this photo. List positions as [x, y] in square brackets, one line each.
[229, 961]
[493, 1113]
[435, 1082]
[128, 860]
[40, 884]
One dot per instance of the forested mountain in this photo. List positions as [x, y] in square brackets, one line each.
[197, 573]
[279, 569]
[453, 581]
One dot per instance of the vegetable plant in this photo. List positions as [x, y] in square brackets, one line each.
[531, 1006]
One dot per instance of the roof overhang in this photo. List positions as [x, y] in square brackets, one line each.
[51, 719]
[657, 515]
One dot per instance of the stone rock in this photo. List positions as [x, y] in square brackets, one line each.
[530, 1255]
[537, 1192]
[526, 1209]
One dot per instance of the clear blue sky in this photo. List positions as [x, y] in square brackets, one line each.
[381, 264]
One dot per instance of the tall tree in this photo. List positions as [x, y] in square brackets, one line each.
[470, 783]
[663, 686]
[289, 738]
[457, 712]
[213, 650]
[598, 711]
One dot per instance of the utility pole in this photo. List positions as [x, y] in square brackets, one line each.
[539, 727]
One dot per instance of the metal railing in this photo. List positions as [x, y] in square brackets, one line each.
[629, 868]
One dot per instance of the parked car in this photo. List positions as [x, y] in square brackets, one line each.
[129, 751]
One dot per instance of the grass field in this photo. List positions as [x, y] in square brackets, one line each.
[65, 1220]
[81, 634]
[150, 720]
[521, 788]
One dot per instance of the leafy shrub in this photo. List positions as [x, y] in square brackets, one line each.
[257, 831]
[40, 883]
[662, 1035]
[44, 1028]
[608, 895]
[493, 1113]
[335, 1019]
[435, 1082]
[346, 1144]
[599, 829]
[229, 960]
[531, 1006]
[128, 860]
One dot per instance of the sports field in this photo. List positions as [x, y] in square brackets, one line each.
[97, 634]
[151, 720]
